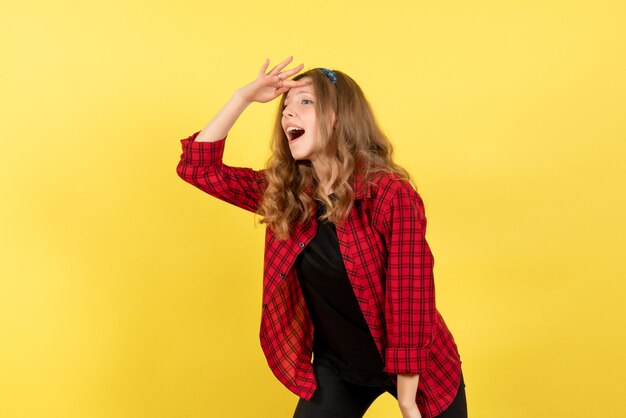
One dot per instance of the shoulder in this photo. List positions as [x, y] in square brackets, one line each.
[389, 186]
[394, 195]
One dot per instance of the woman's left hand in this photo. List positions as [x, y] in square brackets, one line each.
[410, 411]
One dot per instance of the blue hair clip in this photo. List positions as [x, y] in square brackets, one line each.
[330, 74]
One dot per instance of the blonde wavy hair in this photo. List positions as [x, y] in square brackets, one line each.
[356, 142]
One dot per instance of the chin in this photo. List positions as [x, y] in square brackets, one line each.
[301, 158]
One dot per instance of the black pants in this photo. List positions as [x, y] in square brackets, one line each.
[336, 398]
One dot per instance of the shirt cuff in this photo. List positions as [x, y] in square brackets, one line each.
[407, 360]
[202, 153]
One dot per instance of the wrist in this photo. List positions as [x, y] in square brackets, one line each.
[407, 405]
[240, 97]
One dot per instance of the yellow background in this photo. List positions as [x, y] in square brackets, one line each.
[127, 293]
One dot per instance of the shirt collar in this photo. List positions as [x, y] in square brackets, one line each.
[360, 187]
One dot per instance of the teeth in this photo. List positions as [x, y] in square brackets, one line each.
[293, 128]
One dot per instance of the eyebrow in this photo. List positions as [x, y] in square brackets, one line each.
[300, 92]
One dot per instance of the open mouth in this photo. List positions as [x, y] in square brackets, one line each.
[294, 133]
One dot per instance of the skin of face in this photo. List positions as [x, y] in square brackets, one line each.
[299, 111]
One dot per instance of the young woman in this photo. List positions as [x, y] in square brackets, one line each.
[348, 275]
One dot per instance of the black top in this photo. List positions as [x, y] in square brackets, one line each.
[341, 336]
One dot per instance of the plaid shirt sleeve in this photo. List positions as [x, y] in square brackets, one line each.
[410, 312]
[201, 165]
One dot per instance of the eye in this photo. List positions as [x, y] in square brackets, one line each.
[307, 100]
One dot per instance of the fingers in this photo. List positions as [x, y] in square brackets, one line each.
[280, 66]
[281, 91]
[264, 66]
[291, 72]
[294, 83]
[276, 71]
[287, 85]
[278, 80]
[286, 74]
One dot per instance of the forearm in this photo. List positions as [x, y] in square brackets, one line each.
[224, 120]
[407, 389]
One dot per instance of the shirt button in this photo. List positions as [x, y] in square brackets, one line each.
[265, 306]
[302, 245]
[282, 275]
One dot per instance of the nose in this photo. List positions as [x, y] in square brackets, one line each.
[287, 112]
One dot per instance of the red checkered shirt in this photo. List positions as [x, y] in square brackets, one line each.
[389, 264]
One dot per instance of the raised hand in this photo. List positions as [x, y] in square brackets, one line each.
[269, 86]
